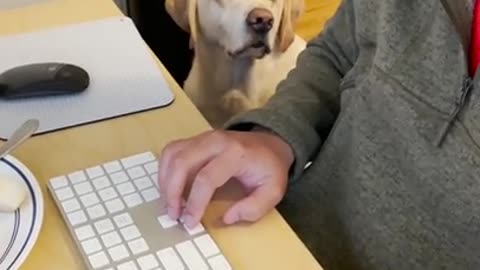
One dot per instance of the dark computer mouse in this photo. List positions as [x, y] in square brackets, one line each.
[43, 79]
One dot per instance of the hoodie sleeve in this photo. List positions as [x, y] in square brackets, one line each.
[306, 103]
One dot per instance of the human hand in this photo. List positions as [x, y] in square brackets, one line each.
[259, 160]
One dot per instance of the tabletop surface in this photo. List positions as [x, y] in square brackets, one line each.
[267, 244]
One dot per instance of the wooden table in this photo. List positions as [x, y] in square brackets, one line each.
[268, 244]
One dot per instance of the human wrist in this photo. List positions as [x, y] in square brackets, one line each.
[282, 147]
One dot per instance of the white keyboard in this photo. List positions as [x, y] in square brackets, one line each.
[117, 220]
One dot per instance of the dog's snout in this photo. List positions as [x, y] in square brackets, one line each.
[260, 20]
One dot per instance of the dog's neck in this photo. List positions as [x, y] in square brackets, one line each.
[219, 71]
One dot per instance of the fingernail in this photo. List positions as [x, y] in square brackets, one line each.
[188, 220]
[171, 212]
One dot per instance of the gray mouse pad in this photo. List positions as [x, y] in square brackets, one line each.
[12, 4]
[124, 77]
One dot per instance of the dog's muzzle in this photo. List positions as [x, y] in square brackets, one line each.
[259, 23]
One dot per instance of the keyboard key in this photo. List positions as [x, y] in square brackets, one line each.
[170, 259]
[191, 256]
[95, 172]
[130, 232]
[118, 253]
[115, 205]
[143, 183]
[137, 159]
[91, 246]
[127, 266]
[125, 188]
[84, 232]
[70, 205]
[111, 239]
[133, 200]
[103, 226]
[89, 199]
[108, 194]
[96, 211]
[166, 222]
[58, 182]
[119, 177]
[151, 167]
[150, 194]
[206, 245]
[147, 262]
[138, 246]
[77, 177]
[101, 182]
[83, 188]
[98, 260]
[123, 220]
[219, 263]
[136, 172]
[64, 193]
[112, 166]
[76, 218]
[195, 230]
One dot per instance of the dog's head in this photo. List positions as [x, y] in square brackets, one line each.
[250, 28]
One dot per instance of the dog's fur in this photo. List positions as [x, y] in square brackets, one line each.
[223, 82]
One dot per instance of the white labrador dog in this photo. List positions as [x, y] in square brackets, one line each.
[242, 50]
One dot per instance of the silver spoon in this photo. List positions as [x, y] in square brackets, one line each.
[20, 135]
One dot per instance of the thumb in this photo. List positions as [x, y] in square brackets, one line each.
[256, 205]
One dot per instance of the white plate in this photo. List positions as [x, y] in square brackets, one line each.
[19, 230]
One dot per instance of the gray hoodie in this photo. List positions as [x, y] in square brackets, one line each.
[382, 105]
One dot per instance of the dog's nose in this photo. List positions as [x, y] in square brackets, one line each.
[260, 20]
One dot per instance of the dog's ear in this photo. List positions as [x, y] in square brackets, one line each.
[292, 10]
[178, 11]
[184, 13]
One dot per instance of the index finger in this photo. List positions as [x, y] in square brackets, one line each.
[184, 165]
[214, 175]
[168, 152]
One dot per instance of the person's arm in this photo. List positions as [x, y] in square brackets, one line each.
[305, 104]
[307, 101]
